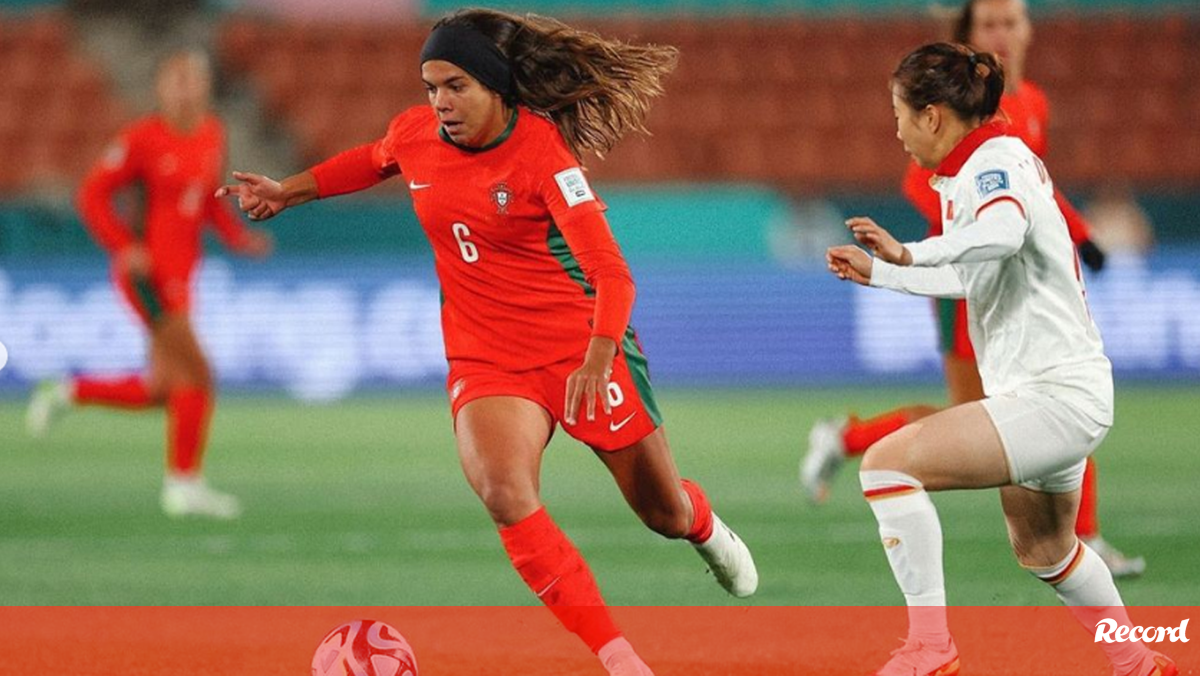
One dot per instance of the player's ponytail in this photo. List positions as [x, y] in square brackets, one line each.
[596, 90]
[968, 82]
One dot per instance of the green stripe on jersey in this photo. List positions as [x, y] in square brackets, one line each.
[559, 249]
[640, 372]
[947, 319]
[638, 365]
[149, 300]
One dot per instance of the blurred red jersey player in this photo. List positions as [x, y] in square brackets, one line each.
[177, 155]
[1001, 27]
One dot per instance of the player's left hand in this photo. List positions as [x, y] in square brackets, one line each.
[885, 247]
[590, 381]
[256, 243]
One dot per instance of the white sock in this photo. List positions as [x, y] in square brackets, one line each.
[1085, 585]
[172, 480]
[912, 540]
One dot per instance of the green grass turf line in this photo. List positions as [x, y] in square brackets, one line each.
[363, 503]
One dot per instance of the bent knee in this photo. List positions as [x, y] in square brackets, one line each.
[887, 454]
[156, 392]
[174, 376]
[508, 502]
[197, 375]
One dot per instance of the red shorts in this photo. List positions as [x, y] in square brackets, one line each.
[155, 296]
[952, 324]
[634, 411]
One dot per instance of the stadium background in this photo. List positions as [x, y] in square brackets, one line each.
[333, 427]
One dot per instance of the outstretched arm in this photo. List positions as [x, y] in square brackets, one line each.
[851, 263]
[939, 282]
[356, 169]
[998, 232]
[261, 197]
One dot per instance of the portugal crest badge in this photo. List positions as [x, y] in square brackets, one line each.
[501, 196]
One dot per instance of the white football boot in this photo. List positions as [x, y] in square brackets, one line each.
[826, 453]
[191, 496]
[1118, 563]
[50, 400]
[729, 560]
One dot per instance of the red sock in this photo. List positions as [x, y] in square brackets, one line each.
[1087, 524]
[554, 570]
[188, 412]
[125, 392]
[862, 434]
[702, 514]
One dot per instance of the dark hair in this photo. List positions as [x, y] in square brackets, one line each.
[595, 90]
[968, 82]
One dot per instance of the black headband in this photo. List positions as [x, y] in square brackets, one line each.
[472, 51]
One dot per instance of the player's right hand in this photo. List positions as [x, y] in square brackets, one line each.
[589, 383]
[879, 241]
[850, 262]
[134, 261]
[259, 197]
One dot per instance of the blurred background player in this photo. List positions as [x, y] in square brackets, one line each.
[1001, 27]
[536, 294]
[177, 156]
[1048, 385]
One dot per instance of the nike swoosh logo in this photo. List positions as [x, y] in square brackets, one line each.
[614, 427]
[413, 185]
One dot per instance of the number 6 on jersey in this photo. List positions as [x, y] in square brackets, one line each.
[470, 252]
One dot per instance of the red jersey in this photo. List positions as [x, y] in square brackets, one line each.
[1027, 115]
[179, 172]
[517, 234]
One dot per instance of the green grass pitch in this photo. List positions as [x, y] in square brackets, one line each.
[363, 503]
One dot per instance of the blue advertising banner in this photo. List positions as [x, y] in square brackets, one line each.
[321, 329]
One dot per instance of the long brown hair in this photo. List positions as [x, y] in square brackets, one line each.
[968, 82]
[596, 90]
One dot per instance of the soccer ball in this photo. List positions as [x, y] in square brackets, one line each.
[364, 648]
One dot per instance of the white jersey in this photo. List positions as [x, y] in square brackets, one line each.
[1006, 249]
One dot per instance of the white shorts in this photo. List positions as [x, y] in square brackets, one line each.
[1047, 441]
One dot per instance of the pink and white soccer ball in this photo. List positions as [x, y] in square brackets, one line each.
[364, 648]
